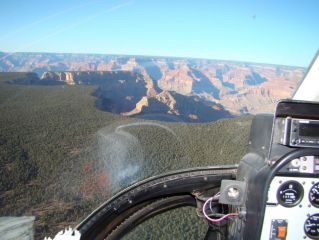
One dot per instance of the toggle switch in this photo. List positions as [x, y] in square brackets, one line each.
[281, 231]
[278, 229]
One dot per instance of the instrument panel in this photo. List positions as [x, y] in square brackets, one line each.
[280, 172]
[292, 207]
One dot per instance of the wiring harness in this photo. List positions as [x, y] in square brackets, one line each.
[214, 216]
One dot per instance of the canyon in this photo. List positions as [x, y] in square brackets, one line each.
[174, 89]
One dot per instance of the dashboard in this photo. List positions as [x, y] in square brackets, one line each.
[292, 207]
[279, 176]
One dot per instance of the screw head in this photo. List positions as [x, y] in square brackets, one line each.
[233, 192]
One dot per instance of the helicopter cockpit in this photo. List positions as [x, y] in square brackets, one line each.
[136, 119]
[273, 193]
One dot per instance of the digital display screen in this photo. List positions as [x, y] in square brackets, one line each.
[309, 130]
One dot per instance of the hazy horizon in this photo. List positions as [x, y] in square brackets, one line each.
[153, 56]
[281, 33]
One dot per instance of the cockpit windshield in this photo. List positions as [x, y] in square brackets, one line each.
[96, 96]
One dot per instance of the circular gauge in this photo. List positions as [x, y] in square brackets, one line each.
[311, 226]
[314, 195]
[290, 193]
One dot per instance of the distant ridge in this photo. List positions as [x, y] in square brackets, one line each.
[152, 57]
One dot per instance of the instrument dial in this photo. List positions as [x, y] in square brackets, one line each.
[290, 193]
[311, 226]
[314, 195]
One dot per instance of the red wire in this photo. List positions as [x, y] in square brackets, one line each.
[216, 219]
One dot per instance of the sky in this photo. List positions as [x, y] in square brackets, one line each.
[273, 31]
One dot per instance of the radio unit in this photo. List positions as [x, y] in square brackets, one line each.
[299, 132]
